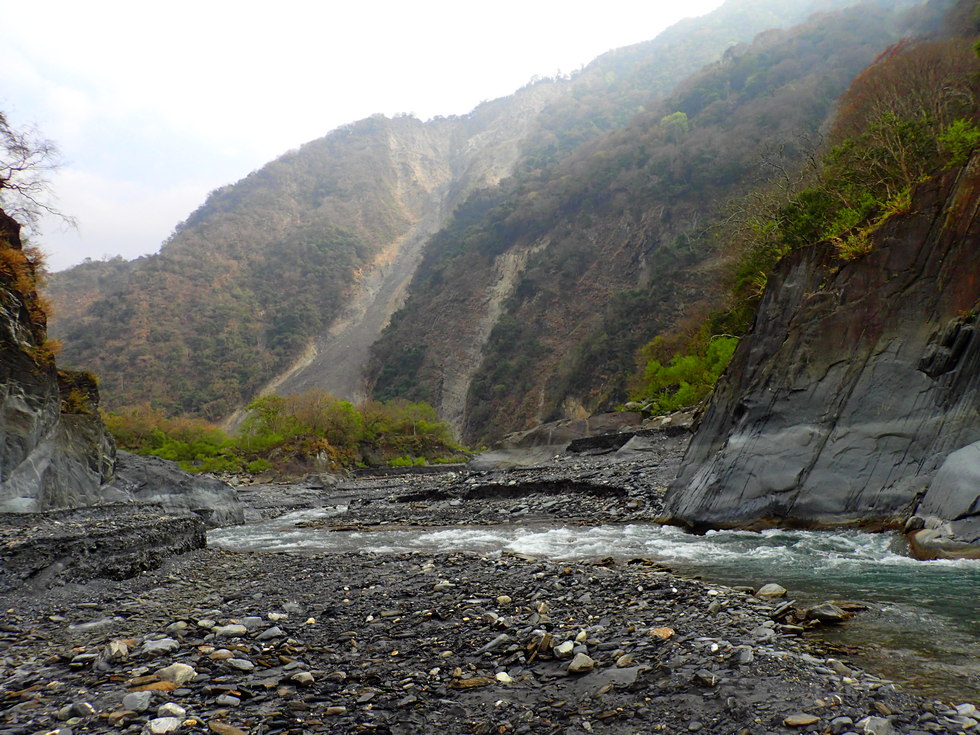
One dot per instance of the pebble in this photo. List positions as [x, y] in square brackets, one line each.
[163, 725]
[177, 673]
[159, 647]
[171, 709]
[230, 631]
[137, 701]
[240, 664]
[801, 719]
[581, 664]
[771, 590]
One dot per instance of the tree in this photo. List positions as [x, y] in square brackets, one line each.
[26, 159]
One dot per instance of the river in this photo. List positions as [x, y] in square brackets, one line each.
[923, 628]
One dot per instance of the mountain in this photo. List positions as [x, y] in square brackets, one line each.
[529, 306]
[502, 264]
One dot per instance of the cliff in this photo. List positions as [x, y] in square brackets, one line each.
[54, 450]
[856, 397]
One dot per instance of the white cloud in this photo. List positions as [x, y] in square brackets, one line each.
[144, 97]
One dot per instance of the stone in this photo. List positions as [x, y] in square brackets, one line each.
[227, 700]
[177, 673]
[504, 600]
[875, 726]
[163, 725]
[223, 728]
[771, 590]
[241, 664]
[270, 633]
[234, 630]
[625, 661]
[158, 647]
[150, 479]
[137, 701]
[827, 613]
[335, 711]
[840, 725]
[801, 719]
[504, 678]
[303, 678]
[664, 634]
[171, 709]
[581, 664]
[564, 650]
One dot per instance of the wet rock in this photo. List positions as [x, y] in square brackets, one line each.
[581, 664]
[177, 673]
[801, 719]
[827, 613]
[771, 590]
[875, 726]
[163, 725]
[137, 701]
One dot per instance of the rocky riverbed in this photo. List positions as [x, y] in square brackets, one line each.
[227, 642]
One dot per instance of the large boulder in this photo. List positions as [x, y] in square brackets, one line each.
[856, 395]
[159, 481]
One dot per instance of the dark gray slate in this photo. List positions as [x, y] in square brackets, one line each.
[159, 481]
[857, 394]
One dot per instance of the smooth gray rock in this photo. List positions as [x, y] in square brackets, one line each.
[857, 389]
[159, 481]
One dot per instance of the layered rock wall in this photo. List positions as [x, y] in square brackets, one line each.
[856, 398]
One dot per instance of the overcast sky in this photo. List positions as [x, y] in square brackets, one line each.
[153, 105]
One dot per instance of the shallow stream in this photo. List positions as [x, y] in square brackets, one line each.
[923, 628]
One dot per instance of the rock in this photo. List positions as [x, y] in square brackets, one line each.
[625, 661]
[241, 664]
[581, 664]
[801, 719]
[303, 678]
[178, 673]
[771, 590]
[227, 700]
[809, 428]
[840, 725]
[158, 647]
[564, 650]
[269, 634]
[171, 709]
[335, 711]
[663, 634]
[875, 726]
[163, 725]
[504, 600]
[230, 631]
[827, 613]
[223, 728]
[504, 678]
[137, 701]
[159, 481]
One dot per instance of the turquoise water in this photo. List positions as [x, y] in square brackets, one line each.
[923, 628]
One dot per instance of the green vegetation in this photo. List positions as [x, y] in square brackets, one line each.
[686, 378]
[292, 435]
[909, 116]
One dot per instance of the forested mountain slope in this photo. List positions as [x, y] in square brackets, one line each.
[284, 279]
[530, 305]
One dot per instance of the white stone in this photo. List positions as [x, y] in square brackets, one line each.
[163, 725]
[177, 673]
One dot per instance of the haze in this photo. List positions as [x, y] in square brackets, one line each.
[152, 106]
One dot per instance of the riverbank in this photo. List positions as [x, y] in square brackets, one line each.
[267, 643]
[466, 642]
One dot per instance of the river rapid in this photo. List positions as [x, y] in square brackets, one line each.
[922, 628]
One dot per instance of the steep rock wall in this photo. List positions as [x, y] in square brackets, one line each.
[48, 458]
[857, 394]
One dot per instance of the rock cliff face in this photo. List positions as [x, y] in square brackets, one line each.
[54, 450]
[856, 398]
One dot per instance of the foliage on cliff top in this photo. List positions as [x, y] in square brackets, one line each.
[292, 435]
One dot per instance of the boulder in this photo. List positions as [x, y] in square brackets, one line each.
[159, 481]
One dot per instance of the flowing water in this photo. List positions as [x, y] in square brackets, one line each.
[923, 627]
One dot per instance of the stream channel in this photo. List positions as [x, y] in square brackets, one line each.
[922, 629]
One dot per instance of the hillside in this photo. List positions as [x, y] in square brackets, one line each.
[285, 279]
[531, 304]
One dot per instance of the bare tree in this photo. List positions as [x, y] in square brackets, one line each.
[26, 160]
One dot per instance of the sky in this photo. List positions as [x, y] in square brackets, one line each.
[153, 105]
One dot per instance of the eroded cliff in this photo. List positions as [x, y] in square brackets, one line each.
[54, 450]
[856, 397]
